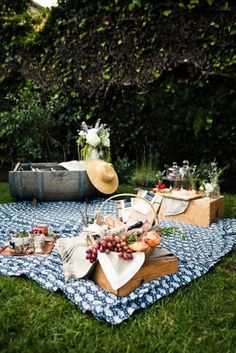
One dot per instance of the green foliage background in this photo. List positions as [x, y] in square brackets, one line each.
[161, 74]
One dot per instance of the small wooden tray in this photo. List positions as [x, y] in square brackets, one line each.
[152, 268]
[180, 196]
[49, 245]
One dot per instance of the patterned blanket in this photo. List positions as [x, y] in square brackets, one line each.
[197, 252]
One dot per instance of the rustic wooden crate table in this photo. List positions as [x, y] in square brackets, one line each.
[202, 212]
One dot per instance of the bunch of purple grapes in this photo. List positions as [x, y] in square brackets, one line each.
[110, 243]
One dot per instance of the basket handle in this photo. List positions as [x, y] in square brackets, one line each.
[98, 213]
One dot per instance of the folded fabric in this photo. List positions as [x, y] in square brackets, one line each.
[73, 165]
[174, 207]
[119, 271]
[158, 253]
[73, 254]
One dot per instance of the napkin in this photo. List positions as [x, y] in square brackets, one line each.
[119, 271]
[174, 206]
[159, 253]
[73, 254]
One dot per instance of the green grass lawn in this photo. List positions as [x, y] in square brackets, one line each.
[197, 318]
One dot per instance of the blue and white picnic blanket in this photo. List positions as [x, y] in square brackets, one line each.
[197, 252]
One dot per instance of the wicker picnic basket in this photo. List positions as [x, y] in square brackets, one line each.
[135, 216]
[152, 268]
[152, 215]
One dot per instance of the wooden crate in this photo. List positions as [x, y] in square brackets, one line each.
[151, 269]
[201, 212]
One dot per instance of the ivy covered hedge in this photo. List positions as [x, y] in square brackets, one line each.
[161, 74]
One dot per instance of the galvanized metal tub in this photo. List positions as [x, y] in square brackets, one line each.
[49, 182]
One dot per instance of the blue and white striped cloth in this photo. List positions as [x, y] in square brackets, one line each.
[197, 252]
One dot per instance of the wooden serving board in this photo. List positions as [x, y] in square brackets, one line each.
[151, 269]
[180, 196]
[46, 250]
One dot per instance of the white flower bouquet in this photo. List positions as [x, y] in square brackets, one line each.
[208, 177]
[94, 142]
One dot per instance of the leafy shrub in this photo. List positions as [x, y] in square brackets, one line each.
[124, 169]
[160, 74]
[36, 128]
[145, 174]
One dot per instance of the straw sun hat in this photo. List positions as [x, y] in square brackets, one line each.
[102, 175]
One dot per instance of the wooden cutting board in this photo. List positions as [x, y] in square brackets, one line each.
[152, 268]
[49, 245]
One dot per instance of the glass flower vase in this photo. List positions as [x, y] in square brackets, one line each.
[93, 154]
[89, 152]
[216, 188]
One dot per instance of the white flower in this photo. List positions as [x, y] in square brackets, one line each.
[105, 139]
[82, 133]
[201, 188]
[92, 138]
[208, 187]
[106, 142]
